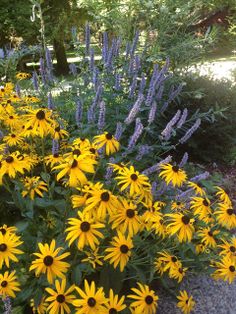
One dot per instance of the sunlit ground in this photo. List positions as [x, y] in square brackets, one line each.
[220, 69]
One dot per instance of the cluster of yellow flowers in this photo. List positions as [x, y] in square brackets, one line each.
[108, 223]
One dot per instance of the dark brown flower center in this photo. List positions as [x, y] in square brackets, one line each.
[92, 150]
[40, 115]
[56, 155]
[91, 302]
[9, 159]
[149, 299]
[4, 283]
[230, 211]
[76, 152]
[48, 260]
[112, 311]
[175, 168]
[60, 298]
[178, 203]
[232, 248]
[130, 213]
[108, 136]
[205, 202]
[13, 135]
[85, 226]
[185, 220]
[174, 259]
[124, 249]
[181, 270]
[11, 117]
[3, 247]
[210, 233]
[3, 231]
[57, 129]
[134, 177]
[74, 164]
[105, 196]
[232, 268]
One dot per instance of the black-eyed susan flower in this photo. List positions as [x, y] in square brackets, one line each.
[40, 120]
[84, 231]
[126, 218]
[169, 260]
[22, 75]
[182, 225]
[33, 186]
[93, 258]
[197, 188]
[91, 301]
[177, 206]
[75, 168]
[58, 133]
[226, 269]
[11, 165]
[223, 196]
[132, 180]
[226, 215]
[50, 262]
[228, 248]
[39, 308]
[154, 220]
[145, 300]
[115, 305]
[9, 284]
[172, 174]
[186, 303]
[8, 248]
[13, 139]
[178, 272]
[60, 298]
[100, 202]
[83, 142]
[11, 120]
[201, 207]
[120, 251]
[5, 229]
[108, 141]
[208, 236]
[53, 159]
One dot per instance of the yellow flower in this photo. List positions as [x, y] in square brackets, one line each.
[84, 230]
[173, 174]
[207, 236]
[22, 75]
[229, 248]
[93, 258]
[133, 180]
[145, 299]
[201, 207]
[58, 133]
[60, 298]
[197, 189]
[40, 308]
[226, 216]
[177, 206]
[169, 260]
[13, 139]
[53, 160]
[90, 301]
[226, 269]
[177, 272]
[126, 218]
[223, 196]
[5, 229]
[120, 251]
[40, 121]
[75, 169]
[32, 186]
[186, 303]
[108, 141]
[114, 304]
[8, 243]
[11, 165]
[49, 262]
[181, 224]
[8, 284]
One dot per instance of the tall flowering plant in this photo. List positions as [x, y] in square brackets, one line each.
[96, 229]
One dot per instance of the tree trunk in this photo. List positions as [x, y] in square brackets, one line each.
[60, 53]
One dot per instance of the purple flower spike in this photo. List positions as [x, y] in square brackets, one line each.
[184, 160]
[87, 38]
[101, 118]
[137, 132]
[190, 132]
[152, 112]
[50, 101]
[166, 133]
[135, 109]
[79, 112]
[119, 131]
[35, 81]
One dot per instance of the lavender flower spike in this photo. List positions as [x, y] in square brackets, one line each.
[7, 305]
[55, 147]
[154, 168]
[152, 112]
[79, 112]
[50, 101]
[135, 109]
[133, 87]
[42, 70]
[105, 47]
[48, 59]
[143, 150]
[166, 133]
[183, 160]
[101, 118]
[182, 118]
[73, 69]
[17, 88]
[87, 38]
[117, 86]
[137, 132]
[119, 131]
[190, 132]
[142, 84]
[35, 81]
[201, 176]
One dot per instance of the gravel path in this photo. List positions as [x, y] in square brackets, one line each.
[211, 297]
